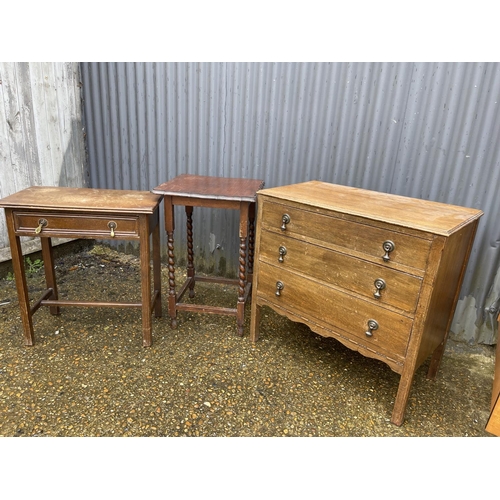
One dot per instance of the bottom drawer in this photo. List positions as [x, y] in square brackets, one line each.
[335, 310]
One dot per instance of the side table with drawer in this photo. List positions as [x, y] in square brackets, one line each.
[380, 273]
[65, 212]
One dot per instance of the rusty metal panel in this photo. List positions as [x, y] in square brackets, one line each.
[41, 132]
[426, 130]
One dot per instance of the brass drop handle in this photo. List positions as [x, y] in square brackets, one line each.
[112, 227]
[372, 326]
[282, 251]
[379, 286]
[41, 224]
[279, 287]
[388, 247]
[284, 221]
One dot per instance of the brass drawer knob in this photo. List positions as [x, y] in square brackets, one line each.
[372, 326]
[279, 287]
[282, 251]
[284, 221]
[112, 227]
[388, 247]
[41, 224]
[379, 286]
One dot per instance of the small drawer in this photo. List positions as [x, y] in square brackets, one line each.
[102, 226]
[380, 245]
[335, 310]
[377, 283]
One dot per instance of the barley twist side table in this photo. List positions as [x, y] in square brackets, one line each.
[213, 192]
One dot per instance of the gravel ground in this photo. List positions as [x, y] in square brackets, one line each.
[88, 374]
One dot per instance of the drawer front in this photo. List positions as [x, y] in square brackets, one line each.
[335, 310]
[78, 225]
[378, 283]
[408, 250]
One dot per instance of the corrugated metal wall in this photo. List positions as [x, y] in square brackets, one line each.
[41, 133]
[427, 130]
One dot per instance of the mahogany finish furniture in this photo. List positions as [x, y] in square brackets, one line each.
[493, 424]
[496, 377]
[214, 192]
[378, 272]
[64, 212]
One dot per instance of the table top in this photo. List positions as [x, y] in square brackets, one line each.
[213, 188]
[82, 200]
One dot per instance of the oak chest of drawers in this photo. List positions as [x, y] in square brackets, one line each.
[380, 273]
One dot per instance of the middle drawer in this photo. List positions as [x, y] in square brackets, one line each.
[378, 283]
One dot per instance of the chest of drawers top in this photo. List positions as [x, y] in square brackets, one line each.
[411, 213]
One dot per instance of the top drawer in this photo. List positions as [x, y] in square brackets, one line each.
[77, 225]
[347, 236]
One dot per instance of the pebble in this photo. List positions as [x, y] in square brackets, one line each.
[88, 374]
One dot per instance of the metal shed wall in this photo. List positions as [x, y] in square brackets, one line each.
[427, 130]
[41, 133]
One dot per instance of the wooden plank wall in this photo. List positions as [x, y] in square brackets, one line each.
[41, 132]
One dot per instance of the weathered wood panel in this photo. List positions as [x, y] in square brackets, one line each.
[41, 132]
